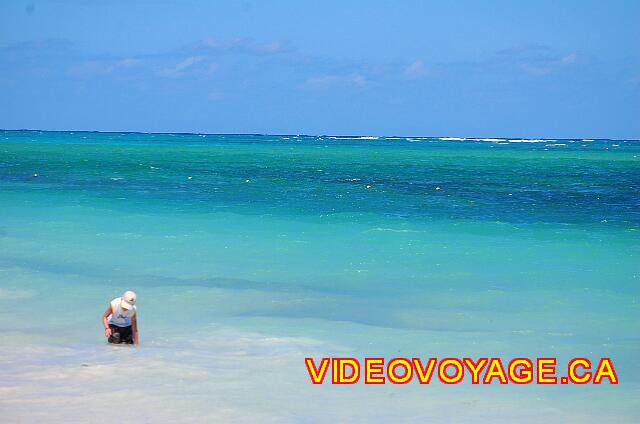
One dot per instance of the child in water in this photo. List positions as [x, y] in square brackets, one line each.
[120, 320]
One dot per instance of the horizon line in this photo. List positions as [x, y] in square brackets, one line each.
[451, 138]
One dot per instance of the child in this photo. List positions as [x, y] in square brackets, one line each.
[120, 320]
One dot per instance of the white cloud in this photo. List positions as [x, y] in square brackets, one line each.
[180, 69]
[549, 65]
[273, 47]
[575, 59]
[415, 71]
[103, 67]
[539, 60]
[323, 82]
[128, 62]
[238, 45]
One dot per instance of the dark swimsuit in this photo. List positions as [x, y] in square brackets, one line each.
[120, 334]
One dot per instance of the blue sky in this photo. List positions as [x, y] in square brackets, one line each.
[431, 68]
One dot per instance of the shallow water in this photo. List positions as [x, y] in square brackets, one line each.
[249, 253]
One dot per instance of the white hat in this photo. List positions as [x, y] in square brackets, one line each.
[128, 299]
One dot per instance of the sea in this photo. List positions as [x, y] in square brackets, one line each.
[249, 253]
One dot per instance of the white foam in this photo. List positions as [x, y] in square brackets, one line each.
[393, 230]
[354, 138]
[452, 139]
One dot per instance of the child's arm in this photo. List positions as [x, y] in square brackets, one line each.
[134, 328]
[105, 321]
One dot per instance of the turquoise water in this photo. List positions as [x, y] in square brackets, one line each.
[249, 253]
